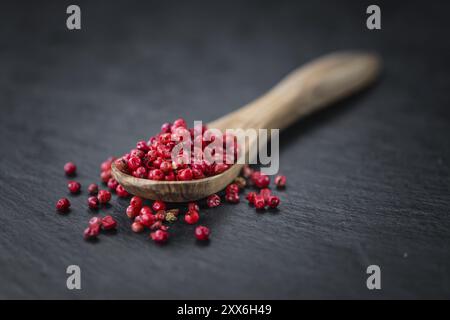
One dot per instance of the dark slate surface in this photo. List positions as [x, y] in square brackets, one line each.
[368, 179]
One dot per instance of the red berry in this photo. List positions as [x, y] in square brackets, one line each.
[137, 153]
[147, 219]
[266, 193]
[145, 210]
[92, 231]
[213, 201]
[259, 202]
[93, 202]
[105, 176]
[93, 189]
[202, 233]
[137, 227]
[140, 172]
[280, 181]
[159, 236]
[95, 221]
[121, 192]
[262, 181]
[170, 176]
[273, 201]
[121, 164]
[220, 167]
[179, 123]
[165, 128]
[70, 168]
[156, 174]
[142, 145]
[112, 184]
[232, 197]
[74, 187]
[63, 205]
[193, 206]
[108, 223]
[251, 197]
[191, 217]
[165, 167]
[132, 211]
[159, 205]
[134, 163]
[232, 188]
[185, 175]
[136, 202]
[104, 196]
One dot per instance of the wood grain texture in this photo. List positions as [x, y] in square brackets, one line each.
[368, 179]
[307, 89]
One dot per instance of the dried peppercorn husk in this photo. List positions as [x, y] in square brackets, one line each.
[241, 182]
[171, 215]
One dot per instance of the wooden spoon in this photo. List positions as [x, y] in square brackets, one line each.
[307, 89]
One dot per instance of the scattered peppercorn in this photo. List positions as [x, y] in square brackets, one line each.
[74, 187]
[70, 168]
[280, 181]
[159, 205]
[121, 192]
[108, 223]
[136, 202]
[273, 201]
[213, 201]
[63, 205]
[202, 233]
[104, 196]
[160, 236]
[93, 189]
[191, 217]
[137, 227]
[92, 232]
[93, 202]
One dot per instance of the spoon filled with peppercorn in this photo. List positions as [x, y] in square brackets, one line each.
[305, 90]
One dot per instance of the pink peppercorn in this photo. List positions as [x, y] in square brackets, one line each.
[105, 176]
[93, 189]
[259, 202]
[132, 211]
[213, 201]
[185, 175]
[145, 210]
[134, 163]
[262, 181]
[137, 227]
[70, 168]
[232, 197]
[156, 174]
[159, 205]
[93, 202]
[232, 188]
[142, 145]
[112, 184]
[121, 164]
[108, 223]
[192, 206]
[191, 217]
[280, 181]
[95, 221]
[136, 202]
[159, 236]
[92, 232]
[273, 201]
[74, 187]
[266, 193]
[63, 205]
[121, 192]
[147, 219]
[202, 233]
[251, 197]
[104, 196]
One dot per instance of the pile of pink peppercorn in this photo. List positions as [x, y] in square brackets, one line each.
[156, 216]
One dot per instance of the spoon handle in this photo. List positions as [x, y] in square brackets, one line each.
[306, 89]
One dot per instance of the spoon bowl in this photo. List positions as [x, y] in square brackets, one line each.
[305, 90]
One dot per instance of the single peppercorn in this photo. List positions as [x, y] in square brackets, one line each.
[137, 227]
[145, 210]
[232, 197]
[213, 201]
[191, 217]
[74, 187]
[132, 211]
[280, 181]
[159, 236]
[147, 219]
[70, 168]
[105, 176]
[202, 233]
[159, 205]
[266, 193]
[121, 192]
[193, 206]
[112, 184]
[93, 202]
[262, 181]
[232, 188]
[273, 201]
[93, 189]
[251, 197]
[108, 223]
[259, 202]
[92, 232]
[136, 202]
[63, 205]
[95, 220]
[104, 196]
